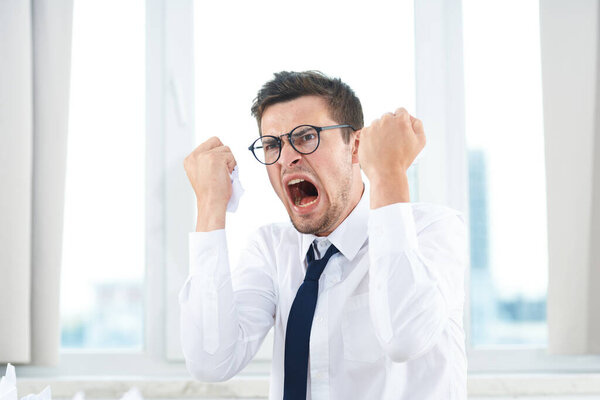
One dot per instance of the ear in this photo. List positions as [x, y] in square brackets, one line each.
[355, 142]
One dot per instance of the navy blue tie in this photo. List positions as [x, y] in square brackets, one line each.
[297, 335]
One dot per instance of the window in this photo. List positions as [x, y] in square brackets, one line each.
[505, 143]
[102, 288]
[107, 234]
[229, 72]
[370, 51]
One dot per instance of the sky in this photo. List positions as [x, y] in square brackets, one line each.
[503, 95]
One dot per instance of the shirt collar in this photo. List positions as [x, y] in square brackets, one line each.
[349, 236]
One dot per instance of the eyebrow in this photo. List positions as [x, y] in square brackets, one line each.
[285, 133]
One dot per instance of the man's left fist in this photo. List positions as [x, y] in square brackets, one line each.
[390, 144]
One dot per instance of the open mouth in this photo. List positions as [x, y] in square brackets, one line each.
[303, 193]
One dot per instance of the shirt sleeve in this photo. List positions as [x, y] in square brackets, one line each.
[416, 279]
[225, 314]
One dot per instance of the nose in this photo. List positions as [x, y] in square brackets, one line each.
[289, 156]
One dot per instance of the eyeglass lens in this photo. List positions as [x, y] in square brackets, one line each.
[304, 139]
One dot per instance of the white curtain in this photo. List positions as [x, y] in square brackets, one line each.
[35, 55]
[570, 40]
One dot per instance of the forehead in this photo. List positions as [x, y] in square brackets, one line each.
[283, 117]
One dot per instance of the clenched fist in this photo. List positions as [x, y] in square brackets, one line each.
[208, 168]
[386, 149]
[390, 143]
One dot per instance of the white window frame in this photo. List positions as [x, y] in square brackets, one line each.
[170, 215]
[170, 208]
[169, 201]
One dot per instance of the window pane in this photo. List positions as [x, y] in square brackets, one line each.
[103, 250]
[237, 52]
[506, 172]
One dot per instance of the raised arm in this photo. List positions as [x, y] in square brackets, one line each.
[416, 278]
[225, 314]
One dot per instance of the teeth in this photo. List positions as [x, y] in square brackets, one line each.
[294, 181]
[305, 205]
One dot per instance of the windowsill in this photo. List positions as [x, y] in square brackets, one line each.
[258, 386]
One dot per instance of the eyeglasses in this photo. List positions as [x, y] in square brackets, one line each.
[304, 139]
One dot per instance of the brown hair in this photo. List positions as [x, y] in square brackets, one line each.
[344, 106]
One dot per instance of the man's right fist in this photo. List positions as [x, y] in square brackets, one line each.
[208, 168]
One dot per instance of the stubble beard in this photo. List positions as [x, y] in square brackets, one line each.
[332, 214]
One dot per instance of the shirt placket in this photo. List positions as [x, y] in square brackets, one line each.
[319, 336]
[319, 350]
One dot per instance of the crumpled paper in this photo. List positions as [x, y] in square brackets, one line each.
[132, 394]
[8, 390]
[8, 384]
[45, 394]
[237, 192]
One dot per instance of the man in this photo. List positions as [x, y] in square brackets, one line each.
[364, 289]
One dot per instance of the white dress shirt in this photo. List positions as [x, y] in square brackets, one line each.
[388, 320]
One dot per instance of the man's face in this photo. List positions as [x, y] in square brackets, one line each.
[316, 189]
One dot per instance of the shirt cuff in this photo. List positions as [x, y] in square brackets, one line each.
[392, 229]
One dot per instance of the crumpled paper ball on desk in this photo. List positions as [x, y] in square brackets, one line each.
[8, 390]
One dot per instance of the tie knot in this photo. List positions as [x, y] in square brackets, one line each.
[316, 267]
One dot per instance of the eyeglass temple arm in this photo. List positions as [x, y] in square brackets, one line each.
[325, 128]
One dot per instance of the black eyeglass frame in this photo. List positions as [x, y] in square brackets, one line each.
[289, 136]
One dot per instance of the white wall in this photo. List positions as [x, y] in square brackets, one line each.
[569, 42]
